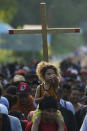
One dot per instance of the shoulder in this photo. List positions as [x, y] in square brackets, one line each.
[15, 121]
[84, 125]
[66, 111]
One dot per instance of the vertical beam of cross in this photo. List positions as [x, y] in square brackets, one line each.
[44, 31]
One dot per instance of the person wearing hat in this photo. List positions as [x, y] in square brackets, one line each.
[25, 100]
[18, 78]
[4, 119]
[4, 101]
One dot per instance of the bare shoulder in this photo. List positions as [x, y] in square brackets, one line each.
[37, 94]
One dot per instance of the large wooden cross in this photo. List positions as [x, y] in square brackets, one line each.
[44, 31]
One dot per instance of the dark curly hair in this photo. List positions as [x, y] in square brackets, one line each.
[42, 68]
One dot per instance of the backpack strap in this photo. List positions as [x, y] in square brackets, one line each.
[65, 104]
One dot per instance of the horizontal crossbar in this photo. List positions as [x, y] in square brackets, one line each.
[49, 30]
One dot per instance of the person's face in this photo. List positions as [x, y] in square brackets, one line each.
[49, 115]
[75, 96]
[50, 76]
[66, 94]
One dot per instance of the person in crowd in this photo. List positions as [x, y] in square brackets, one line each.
[81, 87]
[47, 119]
[83, 75]
[11, 90]
[80, 109]
[25, 100]
[17, 79]
[4, 119]
[75, 98]
[49, 75]
[67, 113]
[66, 91]
[11, 95]
[3, 100]
[65, 97]
[8, 122]
[82, 90]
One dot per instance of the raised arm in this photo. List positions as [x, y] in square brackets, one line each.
[37, 95]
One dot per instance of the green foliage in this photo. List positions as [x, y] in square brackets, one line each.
[8, 9]
[18, 56]
[66, 43]
[26, 56]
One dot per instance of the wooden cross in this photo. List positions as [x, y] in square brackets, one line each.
[44, 31]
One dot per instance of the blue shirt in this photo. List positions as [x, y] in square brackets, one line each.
[15, 123]
[68, 105]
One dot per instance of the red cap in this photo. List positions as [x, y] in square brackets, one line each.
[22, 88]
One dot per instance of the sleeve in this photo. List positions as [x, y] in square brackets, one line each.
[18, 125]
[84, 125]
[28, 127]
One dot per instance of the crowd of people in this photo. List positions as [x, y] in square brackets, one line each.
[42, 97]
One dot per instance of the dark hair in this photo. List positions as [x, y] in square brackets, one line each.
[17, 114]
[48, 67]
[48, 102]
[66, 86]
[42, 67]
[12, 100]
[11, 90]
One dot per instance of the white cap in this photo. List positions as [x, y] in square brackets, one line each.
[18, 78]
[3, 109]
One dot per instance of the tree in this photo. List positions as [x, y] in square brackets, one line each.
[8, 8]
